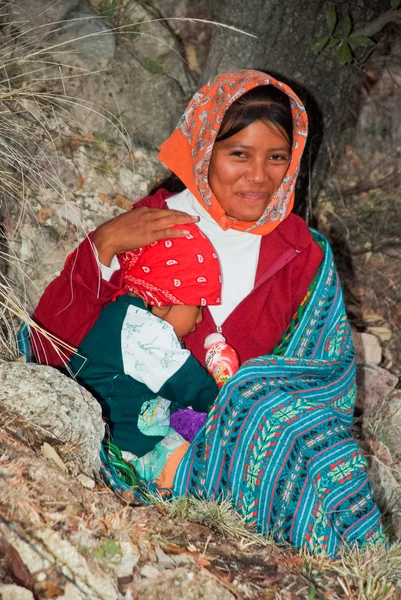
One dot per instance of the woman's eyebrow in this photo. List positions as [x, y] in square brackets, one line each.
[237, 145]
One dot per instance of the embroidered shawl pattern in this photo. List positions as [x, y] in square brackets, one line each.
[278, 440]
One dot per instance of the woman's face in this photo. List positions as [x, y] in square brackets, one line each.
[247, 169]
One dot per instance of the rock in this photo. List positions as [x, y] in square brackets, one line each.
[57, 407]
[46, 548]
[155, 46]
[59, 172]
[94, 583]
[150, 571]
[374, 385]
[382, 427]
[367, 348]
[164, 561]
[129, 560]
[71, 593]
[84, 40]
[35, 562]
[387, 492]
[14, 592]
[392, 423]
[87, 482]
[70, 213]
[144, 105]
[40, 15]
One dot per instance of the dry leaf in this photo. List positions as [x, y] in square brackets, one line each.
[202, 561]
[123, 202]
[49, 452]
[371, 318]
[170, 548]
[192, 57]
[103, 198]
[48, 589]
[129, 497]
[81, 182]
[86, 140]
[382, 332]
[43, 214]
[14, 565]
[358, 291]
[380, 450]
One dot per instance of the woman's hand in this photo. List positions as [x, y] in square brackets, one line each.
[137, 228]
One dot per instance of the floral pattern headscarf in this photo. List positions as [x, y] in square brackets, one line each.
[187, 152]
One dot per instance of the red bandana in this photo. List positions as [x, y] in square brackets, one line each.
[175, 271]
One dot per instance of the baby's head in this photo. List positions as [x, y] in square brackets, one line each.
[182, 317]
[176, 277]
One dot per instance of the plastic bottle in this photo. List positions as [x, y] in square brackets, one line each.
[221, 358]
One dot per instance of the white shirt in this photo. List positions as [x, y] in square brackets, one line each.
[238, 252]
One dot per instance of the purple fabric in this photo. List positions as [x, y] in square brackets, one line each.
[187, 422]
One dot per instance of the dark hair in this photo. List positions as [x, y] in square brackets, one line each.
[264, 103]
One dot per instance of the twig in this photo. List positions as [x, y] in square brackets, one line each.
[391, 16]
[206, 544]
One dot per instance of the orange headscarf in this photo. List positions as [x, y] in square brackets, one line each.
[188, 150]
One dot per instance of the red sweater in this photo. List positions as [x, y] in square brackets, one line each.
[288, 260]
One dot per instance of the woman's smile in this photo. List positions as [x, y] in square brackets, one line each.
[247, 168]
[254, 196]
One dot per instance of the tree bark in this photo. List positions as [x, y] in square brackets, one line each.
[287, 30]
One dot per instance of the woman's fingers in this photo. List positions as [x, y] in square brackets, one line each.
[137, 228]
[163, 234]
[164, 224]
[168, 217]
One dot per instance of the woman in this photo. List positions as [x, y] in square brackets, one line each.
[277, 441]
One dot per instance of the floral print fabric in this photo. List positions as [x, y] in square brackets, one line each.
[187, 152]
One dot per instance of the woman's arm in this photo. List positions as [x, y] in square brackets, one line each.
[138, 228]
[72, 302]
[70, 305]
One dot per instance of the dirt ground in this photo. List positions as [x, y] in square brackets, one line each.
[62, 540]
[37, 497]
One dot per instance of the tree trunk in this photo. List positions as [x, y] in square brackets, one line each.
[286, 32]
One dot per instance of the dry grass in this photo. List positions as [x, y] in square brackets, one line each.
[370, 574]
[32, 119]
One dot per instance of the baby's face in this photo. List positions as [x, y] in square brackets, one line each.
[184, 319]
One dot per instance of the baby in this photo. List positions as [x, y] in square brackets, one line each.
[132, 360]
